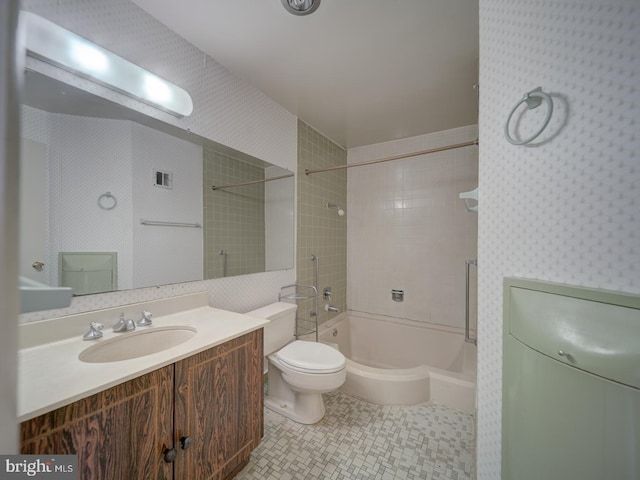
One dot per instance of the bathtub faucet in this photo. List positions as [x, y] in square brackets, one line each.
[331, 308]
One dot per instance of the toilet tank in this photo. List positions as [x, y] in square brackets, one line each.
[281, 328]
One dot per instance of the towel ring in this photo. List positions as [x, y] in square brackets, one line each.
[533, 99]
[104, 199]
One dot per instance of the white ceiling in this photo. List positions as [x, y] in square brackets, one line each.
[358, 71]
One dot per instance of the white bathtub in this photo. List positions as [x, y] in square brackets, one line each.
[394, 361]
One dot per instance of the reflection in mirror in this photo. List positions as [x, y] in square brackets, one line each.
[112, 199]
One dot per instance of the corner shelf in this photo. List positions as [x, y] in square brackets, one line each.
[309, 292]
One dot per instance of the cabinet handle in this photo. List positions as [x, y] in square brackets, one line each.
[170, 454]
[185, 442]
[567, 355]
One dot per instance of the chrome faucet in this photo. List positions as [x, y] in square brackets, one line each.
[94, 331]
[331, 308]
[124, 325]
[145, 321]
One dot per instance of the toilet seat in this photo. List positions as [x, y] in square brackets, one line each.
[311, 357]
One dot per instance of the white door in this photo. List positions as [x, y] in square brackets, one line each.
[34, 263]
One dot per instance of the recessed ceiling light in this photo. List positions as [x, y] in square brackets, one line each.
[301, 7]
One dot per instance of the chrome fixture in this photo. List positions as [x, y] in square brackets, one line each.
[397, 295]
[223, 254]
[158, 223]
[38, 266]
[107, 201]
[251, 182]
[335, 206]
[533, 99]
[145, 321]
[301, 7]
[53, 44]
[331, 308]
[467, 337]
[389, 159]
[124, 325]
[94, 331]
[326, 293]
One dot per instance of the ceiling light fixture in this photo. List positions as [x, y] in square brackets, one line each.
[301, 7]
[55, 45]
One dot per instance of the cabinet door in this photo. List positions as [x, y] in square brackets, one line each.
[218, 408]
[561, 423]
[120, 433]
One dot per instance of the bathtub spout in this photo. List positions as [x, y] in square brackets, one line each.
[331, 308]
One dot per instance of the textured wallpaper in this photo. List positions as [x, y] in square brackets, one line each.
[90, 156]
[564, 208]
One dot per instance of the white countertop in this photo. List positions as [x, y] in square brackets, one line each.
[50, 375]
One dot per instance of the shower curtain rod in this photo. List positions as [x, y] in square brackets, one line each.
[397, 157]
[253, 182]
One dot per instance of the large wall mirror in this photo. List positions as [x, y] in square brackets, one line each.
[112, 199]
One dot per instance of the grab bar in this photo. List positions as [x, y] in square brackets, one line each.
[224, 262]
[467, 338]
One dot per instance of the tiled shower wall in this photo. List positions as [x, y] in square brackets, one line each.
[241, 241]
[409, 230]
[321, 231]
[564, 208]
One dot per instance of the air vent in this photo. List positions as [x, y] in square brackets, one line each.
[163, 179]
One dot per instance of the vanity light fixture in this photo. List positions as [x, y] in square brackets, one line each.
[301, 7]
[53, 44]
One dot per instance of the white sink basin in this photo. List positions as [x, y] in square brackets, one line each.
[137, 344]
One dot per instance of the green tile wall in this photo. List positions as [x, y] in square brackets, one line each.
[233, 218]
[321, 231]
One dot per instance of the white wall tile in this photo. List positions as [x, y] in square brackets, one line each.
[408, 229]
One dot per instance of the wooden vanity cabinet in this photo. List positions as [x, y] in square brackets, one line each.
[205, 411]
[219, 408]
[119, 433]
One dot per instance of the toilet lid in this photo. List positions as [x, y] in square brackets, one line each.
[312, 357]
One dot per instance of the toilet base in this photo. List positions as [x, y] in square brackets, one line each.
[298, 395]
[304, 407]
[307, 410]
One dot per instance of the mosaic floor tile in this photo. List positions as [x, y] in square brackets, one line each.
[361, 440]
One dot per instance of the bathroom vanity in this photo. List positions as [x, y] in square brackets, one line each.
[192, 411]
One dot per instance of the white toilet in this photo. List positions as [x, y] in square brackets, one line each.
[299, 371]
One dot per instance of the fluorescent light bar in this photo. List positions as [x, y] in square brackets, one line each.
[53, 44]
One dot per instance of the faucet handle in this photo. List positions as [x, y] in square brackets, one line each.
[120, 325]
[124, 325]
[146, 319]
[94, 331]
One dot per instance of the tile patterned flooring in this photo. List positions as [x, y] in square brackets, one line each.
[361, 440]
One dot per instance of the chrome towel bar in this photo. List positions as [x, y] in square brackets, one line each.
[156, 223]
